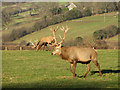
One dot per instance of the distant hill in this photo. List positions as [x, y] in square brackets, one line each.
[83, 27]
[113, 39]
[22, 18]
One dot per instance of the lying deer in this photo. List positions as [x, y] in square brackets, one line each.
[51, 40]
[76, 55]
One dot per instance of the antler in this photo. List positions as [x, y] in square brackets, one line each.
[65, 31]
[34, 44]
[36, 41]
[54, 30]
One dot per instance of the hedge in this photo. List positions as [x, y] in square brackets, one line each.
[107, 32]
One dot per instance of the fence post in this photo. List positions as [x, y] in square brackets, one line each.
[6, 48]
[20, 48]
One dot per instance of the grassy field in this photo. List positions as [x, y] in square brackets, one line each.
[83, 27]
[115, 38]
[32, 69]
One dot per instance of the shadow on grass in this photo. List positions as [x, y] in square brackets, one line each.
[72, 83]
[67, 83]
[106, 71]
[49, 85]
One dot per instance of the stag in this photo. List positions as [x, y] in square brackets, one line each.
[76, 55]
[44, 41]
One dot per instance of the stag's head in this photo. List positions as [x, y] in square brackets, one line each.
[57, 47]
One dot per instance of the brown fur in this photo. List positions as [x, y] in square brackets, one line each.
[51, 40]
[76, 55]
[44, 41]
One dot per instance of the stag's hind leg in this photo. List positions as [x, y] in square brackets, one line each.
[37, 48]
[98, 66]
[88, 69]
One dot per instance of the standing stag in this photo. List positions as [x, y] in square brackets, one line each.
[51, 40]
[76, 55]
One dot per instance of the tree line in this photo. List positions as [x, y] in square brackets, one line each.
[53, 13]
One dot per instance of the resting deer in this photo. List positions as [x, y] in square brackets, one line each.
[76, 55]
[51, 40]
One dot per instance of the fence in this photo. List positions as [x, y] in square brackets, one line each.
[113, 45]
[13, 46]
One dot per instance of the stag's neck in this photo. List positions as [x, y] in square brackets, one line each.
[63, 53]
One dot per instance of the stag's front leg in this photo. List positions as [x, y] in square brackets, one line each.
[37, 48]
[88, 69]
[43, 47]
[71, 65]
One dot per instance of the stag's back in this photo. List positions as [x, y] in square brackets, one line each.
[47, 39]
[78, 53]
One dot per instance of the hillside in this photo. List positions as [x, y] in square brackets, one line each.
[22, 18]
[83, 27]
[113, 39]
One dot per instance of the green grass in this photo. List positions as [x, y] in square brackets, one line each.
[115, 38]
[63, 3]
[17, 17]
[32, 69]
[83, 27]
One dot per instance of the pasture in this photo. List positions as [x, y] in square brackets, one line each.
[32, 69]
[82, 27]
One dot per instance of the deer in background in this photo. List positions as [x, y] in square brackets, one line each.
[76, 55]
[51, 40]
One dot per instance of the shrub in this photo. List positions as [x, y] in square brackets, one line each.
[56, 10]
[107, 32]
[72, 14]
[78, 41]
[100, 44]
[111, 31]
[100, 34]
[65, 9]
[15, 34]
[40, 25]
[86, 12]
[57, 19]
